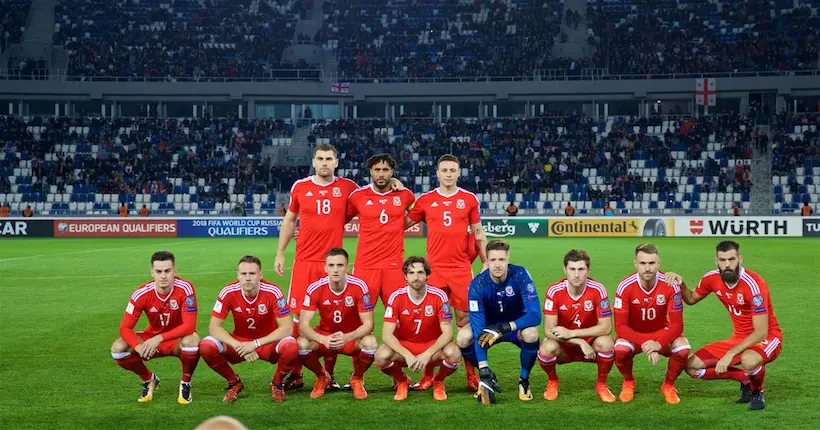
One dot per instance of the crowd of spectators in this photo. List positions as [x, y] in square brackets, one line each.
[795, 150]
[12, 21]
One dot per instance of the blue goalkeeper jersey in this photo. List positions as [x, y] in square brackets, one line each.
[514, 300]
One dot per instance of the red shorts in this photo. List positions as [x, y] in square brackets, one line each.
[710, 354]
[636, 349]
[166, 348]
[571, 352]
[381, 282]
[455, 282]
[303, 274]
[267, 352]
[349, 348]
[417, 348]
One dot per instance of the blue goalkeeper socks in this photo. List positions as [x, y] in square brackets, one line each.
[529, 352]
[469, 354]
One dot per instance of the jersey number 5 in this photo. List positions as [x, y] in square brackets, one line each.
[448, 220]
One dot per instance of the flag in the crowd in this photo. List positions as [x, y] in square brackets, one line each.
[340, 87]
[705, 91]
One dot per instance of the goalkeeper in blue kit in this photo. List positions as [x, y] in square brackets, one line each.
[504, 307]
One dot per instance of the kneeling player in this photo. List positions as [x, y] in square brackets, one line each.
[417, 331]
[757, 337]
[169, 303]
[345, 324]
[577, 324]
[262, 329]
[504, 307]
[649, 319]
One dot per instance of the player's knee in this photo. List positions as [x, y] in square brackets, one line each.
[383, 355]
[623, 350]
[603, 343]
[120, 346]
[464, 338]
[451, 352]
[303, 343]
[208, 348]
[549, 347]
[750, 360]
[694, 365]
[529, 335]
[190, 340]
[368, 342]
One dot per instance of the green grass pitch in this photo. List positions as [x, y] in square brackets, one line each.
[61, 301]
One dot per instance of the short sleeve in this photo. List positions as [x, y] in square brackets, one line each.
[703, 287]
[293, 206]
[190, 303]
[281, 307]
[222, 307]
[351, 210]
[621, 302]
[416, 212]
[550, 307]
[409, 199]
[309, 303]
[366, 302]
[445, 313]
[604, 308]
[760, 296]
[391, 315]
[475, 216]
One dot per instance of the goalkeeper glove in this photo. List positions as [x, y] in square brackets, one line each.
[492, 334]
[487, 387]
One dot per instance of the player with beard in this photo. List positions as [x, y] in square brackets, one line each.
[757, 339]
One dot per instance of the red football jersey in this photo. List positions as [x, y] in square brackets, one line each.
[255, 318]
[646, 311]
[579, 312]
[381, 226]
[338, 311]
[749, 297]
[165, 313]
[448, 219]
[321, 211]
[418, 322]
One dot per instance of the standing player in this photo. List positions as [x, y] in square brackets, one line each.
[757, 339]
[504, 307]
[577, 324]
[449, 212]
[169, 303]
[381, 211]
[345, 324]
[262, 329]
[417, 331]
[649, 319]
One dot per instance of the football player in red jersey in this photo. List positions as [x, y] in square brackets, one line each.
[169, 303]
[320, 204]
[262, 329]
[649, 319]
[577, 324]
[345, 324]
[451, 213]
[757, 338]
[417, 331]
[381, 211]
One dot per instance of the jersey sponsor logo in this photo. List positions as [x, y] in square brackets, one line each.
[447, 203]
[366, 299]
[562, 308]
[326, 302]
[728, 295]
[382, 201]
[218, 306]
[237, 309]
[309, 194]
[396, 201]
[174, 305]
[369, 203]
[636, 302]
[509, 291]
[405, 312]
[660, 299]
[434, 205]
[322, 192]
[348, 301]
[618, 303]
[587, 305]
[719, 294]
[153, 309]
[306, 303]
[757, 301]
[129, 309]
[388, 312]
[604, 304]
[262, 309]
[473, 305]
[337, 192]
[428, 310]
[740, 299]
[549, 304]
[460, 204]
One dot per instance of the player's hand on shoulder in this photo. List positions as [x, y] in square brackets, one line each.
[279, 265]
[396, 185]
[673, 278]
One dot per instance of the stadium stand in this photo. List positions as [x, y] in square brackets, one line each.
[12, 21]
[796, 162]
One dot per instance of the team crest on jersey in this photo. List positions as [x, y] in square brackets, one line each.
[293, 302]
[509, 290]
[660, 299]
[460, 204]
[348, 301]
[262, 309]
[740, 299]
[587, 305]
[428, 310]
[396, 201]
[337, 192]
[174, 305]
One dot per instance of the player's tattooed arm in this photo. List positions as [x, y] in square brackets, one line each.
[481, 241]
